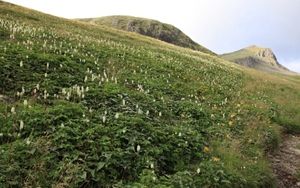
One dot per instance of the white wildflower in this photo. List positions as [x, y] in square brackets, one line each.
[103, 119]
[68, 95]
[21, 124]
[25, 102]
[151, 165]
[23, 91]
[13, 110]
[198, 170]
[160, 114]
[117, 115]
[28, 141]
[138, 148]
[21, 64]
[140, 111]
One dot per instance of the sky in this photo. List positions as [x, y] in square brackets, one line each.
[220, 25]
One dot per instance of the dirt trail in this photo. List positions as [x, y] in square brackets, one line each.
[286, 162]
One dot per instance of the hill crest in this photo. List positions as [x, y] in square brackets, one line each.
[260, 58]
[149, 27]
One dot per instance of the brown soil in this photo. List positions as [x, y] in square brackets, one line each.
[286, 162]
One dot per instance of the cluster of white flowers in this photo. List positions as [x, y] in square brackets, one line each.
[46, 94]
[20, 94]
[21, 126]
[25, 102]
[13, 110]
[138, 148]
[104, 118]
[117, 115]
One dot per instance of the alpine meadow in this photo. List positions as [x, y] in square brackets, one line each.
[88, 105]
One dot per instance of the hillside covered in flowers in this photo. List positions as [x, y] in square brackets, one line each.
[88, 106]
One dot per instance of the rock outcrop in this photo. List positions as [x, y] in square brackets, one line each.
[152, 28]
[258, 58]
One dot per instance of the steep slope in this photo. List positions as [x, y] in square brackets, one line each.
[258, 58]
[88, 106]
[151, 28]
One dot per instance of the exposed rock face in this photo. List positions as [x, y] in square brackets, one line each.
[152, 28]
[266, 55]
[258, 58]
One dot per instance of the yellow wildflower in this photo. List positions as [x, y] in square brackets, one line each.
[206, 149]
[216, 159]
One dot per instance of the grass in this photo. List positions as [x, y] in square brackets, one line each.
[92, 106]
[151, 28]
[250, 57]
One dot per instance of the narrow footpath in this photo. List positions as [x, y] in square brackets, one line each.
[286, 162]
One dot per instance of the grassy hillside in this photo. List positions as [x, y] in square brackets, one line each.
[151, 28]
[88, 106]
[258, 58]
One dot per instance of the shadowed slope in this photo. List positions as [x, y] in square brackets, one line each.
[151, 28]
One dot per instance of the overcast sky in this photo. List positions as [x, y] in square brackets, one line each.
[220, 25]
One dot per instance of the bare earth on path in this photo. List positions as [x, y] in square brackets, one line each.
[286, 162]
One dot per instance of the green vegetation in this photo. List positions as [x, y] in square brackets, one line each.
[83, 105]
[151, 28]
[258, 58]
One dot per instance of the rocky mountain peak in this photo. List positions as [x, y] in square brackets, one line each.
[256, 57]
[264, 54]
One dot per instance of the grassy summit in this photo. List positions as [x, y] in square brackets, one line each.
[83, 105]
[151, 28]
